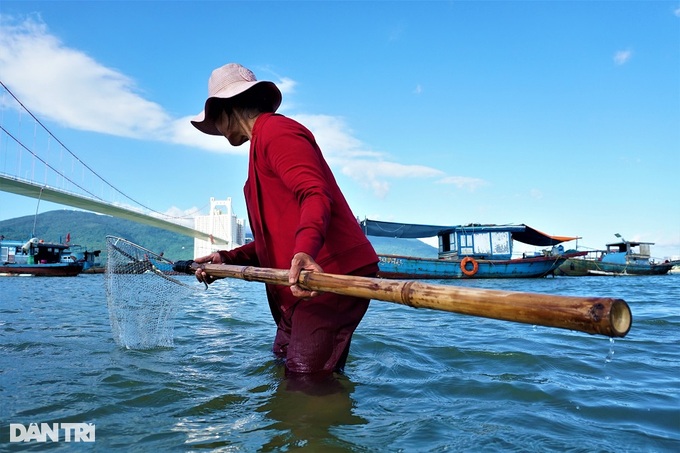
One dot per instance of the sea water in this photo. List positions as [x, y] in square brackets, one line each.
[416, 379]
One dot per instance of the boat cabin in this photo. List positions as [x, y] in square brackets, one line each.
[492, 242]
[483, 242]
[626, 252]
[32, 252]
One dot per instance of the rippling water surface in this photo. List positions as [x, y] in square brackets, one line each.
[416, 380]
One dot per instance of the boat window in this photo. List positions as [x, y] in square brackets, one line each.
[486, 244]
[502, 242]
[482, 243]
[445, 243]
[467, 244]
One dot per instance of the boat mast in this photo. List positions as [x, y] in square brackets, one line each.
[35, 217]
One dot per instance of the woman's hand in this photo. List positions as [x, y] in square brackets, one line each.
[302, 261]
[213, 258]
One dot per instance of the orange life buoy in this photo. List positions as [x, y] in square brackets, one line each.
[466, 271]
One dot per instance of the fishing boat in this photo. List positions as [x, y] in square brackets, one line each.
[38, 258]
[89, 258]
[471, 251]
[618, 258]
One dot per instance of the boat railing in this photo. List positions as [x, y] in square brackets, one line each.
[591, 255]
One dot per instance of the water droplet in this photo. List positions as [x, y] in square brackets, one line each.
[610, 354]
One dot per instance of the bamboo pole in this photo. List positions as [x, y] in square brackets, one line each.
[594, 315]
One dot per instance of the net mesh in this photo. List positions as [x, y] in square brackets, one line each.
[141, 295]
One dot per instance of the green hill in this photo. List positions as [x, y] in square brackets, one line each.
[407, 247]
[90, 230]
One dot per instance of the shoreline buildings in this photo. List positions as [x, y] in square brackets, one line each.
[219, 223]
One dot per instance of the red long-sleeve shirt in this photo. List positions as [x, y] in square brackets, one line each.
[295, 205]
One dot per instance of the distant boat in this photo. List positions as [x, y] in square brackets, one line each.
[91, 264]
[471, 251]
[619, 258]
[38, 258]
[142, 264]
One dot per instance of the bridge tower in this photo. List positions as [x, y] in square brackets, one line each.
[221, 223]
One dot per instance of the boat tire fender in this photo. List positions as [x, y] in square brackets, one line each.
[465, 270]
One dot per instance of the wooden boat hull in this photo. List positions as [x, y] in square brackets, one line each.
[581, 268]
[408, 267]
[43, 270]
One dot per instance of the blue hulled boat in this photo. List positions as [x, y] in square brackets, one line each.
[89, 258]
[619, 258]
[471, 251]
[38, 258]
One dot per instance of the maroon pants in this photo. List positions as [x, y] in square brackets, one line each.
[314, 335]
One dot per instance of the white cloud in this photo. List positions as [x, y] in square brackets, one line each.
[375, 174]
[71, 88]
[395, 33]
[354, 159]
[183, 217]
[334, 136]
[622, 57]
[536, 194]
[286, 85]
[464, 182]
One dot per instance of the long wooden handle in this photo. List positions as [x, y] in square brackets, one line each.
[595, 315]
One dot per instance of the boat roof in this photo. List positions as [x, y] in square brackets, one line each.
[631, 243]
[520, 232]
[34, 241]
[399, 230]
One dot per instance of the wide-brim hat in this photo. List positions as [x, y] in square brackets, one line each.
[228, 81]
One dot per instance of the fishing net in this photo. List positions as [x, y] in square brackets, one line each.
[141, 295]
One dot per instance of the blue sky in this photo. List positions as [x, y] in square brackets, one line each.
[561, 115]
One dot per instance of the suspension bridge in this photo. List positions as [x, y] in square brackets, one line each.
[32, 165]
